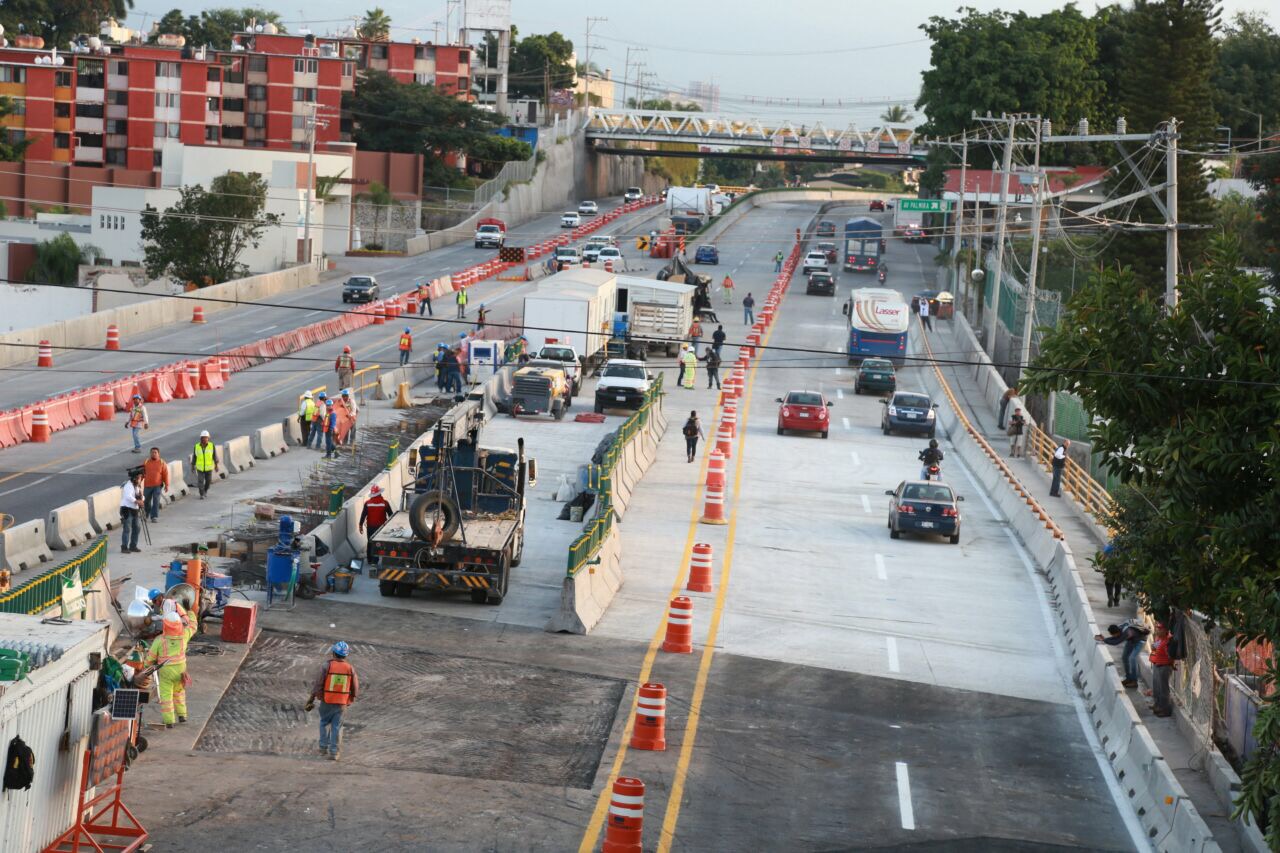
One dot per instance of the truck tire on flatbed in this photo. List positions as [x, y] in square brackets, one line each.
[519, 552]
[422, 514]
[403, 589]
[495, 597]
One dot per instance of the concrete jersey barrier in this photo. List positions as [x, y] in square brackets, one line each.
[177, 481]
[68, 526]
[237, 455]
[23, 546]
[268, 441]
[104, 509]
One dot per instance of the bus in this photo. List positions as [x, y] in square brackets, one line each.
[862, 244]
[878, 322]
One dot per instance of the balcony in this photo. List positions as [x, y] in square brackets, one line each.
[88, 95]
[235, 119]
[88, 155]
[232, 90]
[87, 124]
[117, 140]
[213, 88]
[212, 117]
[118, 82]
[117, 110]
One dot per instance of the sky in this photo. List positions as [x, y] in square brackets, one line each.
[844, 59]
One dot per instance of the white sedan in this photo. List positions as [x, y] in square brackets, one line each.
[570, 219]
[610, 253]
[588, 208]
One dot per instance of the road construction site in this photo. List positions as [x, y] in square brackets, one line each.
[843, 690]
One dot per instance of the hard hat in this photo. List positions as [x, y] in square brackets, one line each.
[154, 593]
[374, 491]
[323, 396]
[462, 335]
[328, 402]
[406, 330]
[442, 345]
[346, 392]
[204, 433]
[307, 395]
[341, 649]
[137, 396]
[346, 349]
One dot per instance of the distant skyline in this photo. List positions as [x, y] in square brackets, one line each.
[843, 60]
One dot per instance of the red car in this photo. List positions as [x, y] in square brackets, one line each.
[877, 204]
[830, 250]
[804, 410]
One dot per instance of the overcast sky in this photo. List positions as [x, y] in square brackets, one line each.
[840, 51]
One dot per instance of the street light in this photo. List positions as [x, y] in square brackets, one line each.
[1259, 117]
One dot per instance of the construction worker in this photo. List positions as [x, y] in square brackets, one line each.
[330, 430]
[306, 414]
[131, 513]
[376, 511]
[336, 687]
[169, 652]
[461, 299]
[349, 403]
[441, 349]
[777, 262]
[317, 424]
[155, 482]
[727, 289]
[204, 461]
[345, 364]
[689, 363]
[695, 335]
[481, 315]
[406, 346]
[424, 300]
[137, 422]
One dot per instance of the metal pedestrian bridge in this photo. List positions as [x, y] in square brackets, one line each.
[718, 133]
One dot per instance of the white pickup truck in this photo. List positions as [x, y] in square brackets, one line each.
[567, 356]
[490, 234]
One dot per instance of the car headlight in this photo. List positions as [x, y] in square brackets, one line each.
[930, 415]
[893, 411]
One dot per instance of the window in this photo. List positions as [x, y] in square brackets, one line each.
[425, 79]
[167, 69]
[62, 140]
[118, 99]
[301, 93]
[420, 52]
[233, 105]
[313, 66]
[166, 99]
[348, 68]
[257, 62]
[88, 110]
[62, 79]
[299, 66]
[378, 51]
[19, 106]
[160, 130]
[117, 156]
[215, 74]
[212, 104]
[157, 159]
[255, 120]
[210, 133]
[117, 125]
[256, 93]
[174, 127]
[118, 67]
[299, 122]
[231, 132]
[61, 109]
[13, 74]
[306, 66]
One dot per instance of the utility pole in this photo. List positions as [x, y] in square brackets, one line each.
[312, 123]
[1001, 222]
[1171, 216]
[546, 92]
[1028, 321]
[964, 165]
[626, 74]
[586, 60]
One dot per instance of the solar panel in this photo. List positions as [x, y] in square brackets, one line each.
[125, 704]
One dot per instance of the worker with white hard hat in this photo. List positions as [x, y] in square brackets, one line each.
[306, 415]
[204, 460]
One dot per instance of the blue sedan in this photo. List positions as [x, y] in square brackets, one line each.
[926, 507]
[707, 254]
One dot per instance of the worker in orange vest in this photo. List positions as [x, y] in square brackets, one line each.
[406, 346]
[345, 364]
[335, 688]
[727, 289]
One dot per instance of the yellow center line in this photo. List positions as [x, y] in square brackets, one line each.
[592, 833]
[672, 814]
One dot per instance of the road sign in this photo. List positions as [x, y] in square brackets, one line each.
[924, 205]
[845, 144]
[873, 146]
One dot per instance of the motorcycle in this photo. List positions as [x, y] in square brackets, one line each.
[881, 275]
[933, 472]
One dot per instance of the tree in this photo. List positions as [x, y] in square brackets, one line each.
[1264, 174]
[1168, 65]
[214, 27]
[1248, 75]
[58, 260]
[536, 57]
[59, 21]
[1186, 415]
[376, 25]
[380, 198]
[896, 114]
[1239, 217]
[732, 171]
[11, 151]
[417, 119]
[200, 238]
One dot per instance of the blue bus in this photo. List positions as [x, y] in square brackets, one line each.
[878, 322]
[862, 244]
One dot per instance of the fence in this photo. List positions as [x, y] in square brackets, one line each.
[42, 592]
[600, 481]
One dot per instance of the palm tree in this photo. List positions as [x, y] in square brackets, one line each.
[896, 114]
[381, 199]
[376, 25]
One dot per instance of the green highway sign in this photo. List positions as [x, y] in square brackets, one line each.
[924, 205]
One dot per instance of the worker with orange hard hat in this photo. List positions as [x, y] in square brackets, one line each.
[345, 364]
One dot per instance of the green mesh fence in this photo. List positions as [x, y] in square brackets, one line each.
[1070, 420]
[45, 590]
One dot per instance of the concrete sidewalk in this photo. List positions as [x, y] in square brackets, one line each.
[1190, 762]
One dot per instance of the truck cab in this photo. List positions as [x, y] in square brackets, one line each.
[490, 234]
[623, 384]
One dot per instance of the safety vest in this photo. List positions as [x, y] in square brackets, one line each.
[462, 296]
[136, 416]
[174, 649]
[345, 362]
[204, 456]
[309, 410]
[728, 282]
[337, 683]
[406, 342]
[377, 511]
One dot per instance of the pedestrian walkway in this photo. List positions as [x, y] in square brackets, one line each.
[1086, 538]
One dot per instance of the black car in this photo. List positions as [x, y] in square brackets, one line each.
[926, 507]
[875, 374]
[826, 228]
[821, 283]
[360, 288]
[909, 411]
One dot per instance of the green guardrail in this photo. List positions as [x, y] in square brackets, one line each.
[600, 481]
[44, 591]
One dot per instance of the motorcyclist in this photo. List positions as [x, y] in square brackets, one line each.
[931, 455]
[884, 271]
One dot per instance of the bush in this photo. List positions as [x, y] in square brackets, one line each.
[372, 247]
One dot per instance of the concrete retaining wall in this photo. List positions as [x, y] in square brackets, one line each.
[90, 330]
[68, 526]
[23, 547]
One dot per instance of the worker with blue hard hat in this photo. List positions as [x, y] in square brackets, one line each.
[335, 687]
[406, 345]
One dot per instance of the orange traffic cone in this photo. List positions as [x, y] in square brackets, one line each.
[379, 316]
[106, 405]
[197, 314]
[650, 730]
[113, 337]
[713, 510]
[40, 425]
[700, 569]
[225, 368]
[724, 440]
[729, 420]
[626, 817]
[44, 355]
[716, 469]
[679, 639]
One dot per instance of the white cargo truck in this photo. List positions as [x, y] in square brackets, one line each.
[659, 313]
[689, 201]
[573, 308]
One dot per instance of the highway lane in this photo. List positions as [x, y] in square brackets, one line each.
[35, 478]
[25, 383]
[858, 691]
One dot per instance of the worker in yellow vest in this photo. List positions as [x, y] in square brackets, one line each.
[169, 652]
[204, 460]
[406, 346]
[306, 415]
